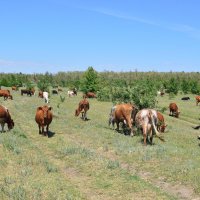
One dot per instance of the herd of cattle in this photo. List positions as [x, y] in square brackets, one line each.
[148, 121]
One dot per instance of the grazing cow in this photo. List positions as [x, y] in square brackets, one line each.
[173, 110]
[54, 92]
[185, 98]
[161, 123]
[123, 113]
[26, 91]
[90, 95]
[15, 88]
[5, 118]
[6, 94]
[70, 93]
[43, 118]
[46, 97]
[146, 120]
[60, 90]
[197, 100]
[83, 107]
[40, 94]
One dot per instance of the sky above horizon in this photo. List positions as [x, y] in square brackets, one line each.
[110, 35]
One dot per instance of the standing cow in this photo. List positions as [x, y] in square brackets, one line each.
[123, 113]
[197, 100]
[6, 94]
[161, 123]
[146, 120]
[173, 110]
[43, 118]
[5, 118]
[46, 97]
[83, 107]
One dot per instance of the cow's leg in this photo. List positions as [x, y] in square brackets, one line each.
[47, 130]
[151, 135]
[117, 126]
[85, 115]
[144, 128]
[39, 129]
[2, 127]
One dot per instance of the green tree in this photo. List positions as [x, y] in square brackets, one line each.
[90, 81]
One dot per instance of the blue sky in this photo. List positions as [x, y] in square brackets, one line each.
[118, 35]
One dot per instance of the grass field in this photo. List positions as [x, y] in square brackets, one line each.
[89, 160]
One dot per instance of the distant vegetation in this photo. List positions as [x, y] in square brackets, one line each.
[137, 87]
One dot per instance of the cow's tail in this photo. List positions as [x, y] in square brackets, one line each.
[154, 127]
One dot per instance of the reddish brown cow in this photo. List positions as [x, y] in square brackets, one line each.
[5, 118]
[173, 110]
[89, 95]
[197, 100]
[161, 122]
[40, 94]
[123, 113]
[43, 118]
[83, 107]
[6, 94]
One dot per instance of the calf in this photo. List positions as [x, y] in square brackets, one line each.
[83, 107]
[5, 118]
[123, 113]
[197, 100]
[43, 118]
[173, 110]
[161, 123]
[146, 120]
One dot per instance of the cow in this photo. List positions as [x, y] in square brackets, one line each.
[40, 94]
[124, 113]
[54, 92]
[15, 88]
[60, 90]
[26, 91]
[5, 117]
[90, 95]
[6, 94]
[161, 123]
[197, 100]
[185, 98]
[46, 97]
[83, 107]
[146, 120]
[43, 118]
[33, 91]
[173, 110]
[70, 93]
[160, 93]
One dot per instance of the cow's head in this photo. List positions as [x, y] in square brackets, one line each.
[11, 124]
[162, 128]
[77, 112]
[45, 110]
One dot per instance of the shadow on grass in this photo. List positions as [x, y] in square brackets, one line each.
[50, 134]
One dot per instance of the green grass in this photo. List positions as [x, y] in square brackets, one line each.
[89, 160]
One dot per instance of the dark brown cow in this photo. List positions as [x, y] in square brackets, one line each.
[90, 95]
[6, 94]
[26, 91]
[197, 100]
[43, 118]
[5, 118]
[173, 110]
[123, 113]
[146, 120]
[83, 107]
[161, 123]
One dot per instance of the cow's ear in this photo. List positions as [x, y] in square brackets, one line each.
[39, 108]
[50, 108]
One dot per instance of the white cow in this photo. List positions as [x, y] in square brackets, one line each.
[146, 120]
[46, 97]
[70, 93]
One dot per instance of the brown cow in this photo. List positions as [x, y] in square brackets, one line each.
[60, 90]
[6, 94]
[161, 123]
[15, 88]
[83, 107]
[173, 110]
[197, 100]
[146, 120]
[43, 118]
[5, 118]
[40, 94]
[123, 113]
[90, 95]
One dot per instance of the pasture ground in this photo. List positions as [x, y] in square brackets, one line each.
[89, 160]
